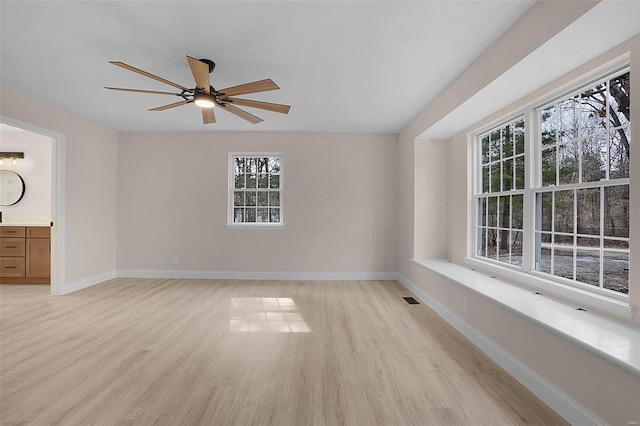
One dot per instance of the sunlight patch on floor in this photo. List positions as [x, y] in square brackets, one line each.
[266, 315]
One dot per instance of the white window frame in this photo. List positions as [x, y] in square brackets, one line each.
[231, 189]
[608, 300]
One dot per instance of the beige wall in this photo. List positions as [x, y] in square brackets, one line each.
[90, 183]
[338, 200]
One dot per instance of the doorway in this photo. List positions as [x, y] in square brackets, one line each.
[45, 182]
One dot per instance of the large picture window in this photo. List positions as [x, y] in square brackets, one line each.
[578, 193]
[255, 189]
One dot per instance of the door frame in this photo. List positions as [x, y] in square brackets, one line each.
[58, 200]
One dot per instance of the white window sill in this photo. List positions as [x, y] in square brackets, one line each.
[609, 338]
[255, 226]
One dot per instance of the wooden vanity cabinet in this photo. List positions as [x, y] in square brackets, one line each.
[25, 255]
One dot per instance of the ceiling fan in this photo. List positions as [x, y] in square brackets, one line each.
[206, 97]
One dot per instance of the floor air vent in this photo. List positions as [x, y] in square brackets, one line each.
[411, 301]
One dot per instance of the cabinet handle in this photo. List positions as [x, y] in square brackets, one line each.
[10, 267]
[10, 246]
[10, 232]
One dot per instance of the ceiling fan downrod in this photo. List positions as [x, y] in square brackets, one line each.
[211, 64]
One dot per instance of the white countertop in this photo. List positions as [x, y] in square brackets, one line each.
[26, 221]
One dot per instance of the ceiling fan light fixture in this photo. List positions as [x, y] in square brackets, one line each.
[204, 100]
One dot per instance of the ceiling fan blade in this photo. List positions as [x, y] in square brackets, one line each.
[173, 105]
[255, 87]
[208, 116]
[155, 92]
[283, 109]
[200, 72]
[240, 113]
[147, 74]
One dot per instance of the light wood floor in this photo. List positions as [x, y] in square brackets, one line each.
[209, 352]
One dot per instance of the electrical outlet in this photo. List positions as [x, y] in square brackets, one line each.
[174, 260]
[465, 304]
[347, 263]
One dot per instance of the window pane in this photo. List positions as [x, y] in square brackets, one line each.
[238, 166]
[492, 213]
[588, 220]
[588, 263]
[543, 261]
[482, 242]
[507, 144]
[251, 166]
[262, 215]
[274, 181]
[568, 163]
[482, 209]
[485, 179]
[516, 211]
[274, 165]
[545, 210]
[251, 181]
[520, 172]
[250, 215]
[492, 243]
[563, 256]
[619, 153]
[619, 91]
[251, 198]
[238, 215]
[274, 198]
[503, 245]
[516, 248]
[616, 270]
[238, 198]
[563, 212]
[239, 181]
[594, 158]
[519, 136]
[496, 143]
[548, 125]
[262, 163]
[504, 218]
[486, 156]
[263, 199]
[549, 167]
[263, 180]
[616, 211]
[593, 115]
[274, 215]
[507, 175]
[568, 119]
[495, 177]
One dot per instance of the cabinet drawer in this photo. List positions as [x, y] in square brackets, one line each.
[12, 231]
[38, 232]
[13, 247]
[11, 267]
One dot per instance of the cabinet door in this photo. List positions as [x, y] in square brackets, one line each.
[38, 258]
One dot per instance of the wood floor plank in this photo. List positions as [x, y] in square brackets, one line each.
[204, 352]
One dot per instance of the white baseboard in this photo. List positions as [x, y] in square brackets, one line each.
[566, 407]
[87, 282]
[250, 275]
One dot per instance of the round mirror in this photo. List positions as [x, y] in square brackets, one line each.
[11, 188]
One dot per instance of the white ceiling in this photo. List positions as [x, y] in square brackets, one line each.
[343, 66]
[348, 66]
